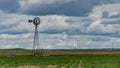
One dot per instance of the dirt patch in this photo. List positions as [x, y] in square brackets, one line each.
[79, 66]
[29, 67]
[62, 67]
[51, 66]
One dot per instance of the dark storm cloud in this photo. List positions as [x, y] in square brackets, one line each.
[110, 21]
[9, 5]
[99, 39]
[72, 8]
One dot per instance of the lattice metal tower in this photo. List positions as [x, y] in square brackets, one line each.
[36, 51]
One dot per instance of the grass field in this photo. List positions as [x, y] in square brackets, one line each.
[61, 60]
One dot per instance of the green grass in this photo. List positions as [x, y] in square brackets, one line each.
[88, 61]
[59, 59]
[26, 60]
[101, 61]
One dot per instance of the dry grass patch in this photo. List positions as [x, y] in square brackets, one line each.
[51, 66]
[29, 67]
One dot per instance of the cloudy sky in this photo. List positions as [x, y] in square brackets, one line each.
[65, 24]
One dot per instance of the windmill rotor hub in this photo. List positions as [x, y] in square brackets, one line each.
[36, 21]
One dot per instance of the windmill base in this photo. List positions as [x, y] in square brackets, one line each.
[38, 53]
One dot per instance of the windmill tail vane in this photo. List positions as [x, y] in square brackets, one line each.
[29, 21]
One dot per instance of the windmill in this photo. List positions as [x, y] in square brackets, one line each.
[36, 51]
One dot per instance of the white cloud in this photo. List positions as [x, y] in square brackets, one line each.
[112, 9]
[15, 23]
[103, 25]
[52, 41]
[11, 46]
[93, 26]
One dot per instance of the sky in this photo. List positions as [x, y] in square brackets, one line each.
[65, 24]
